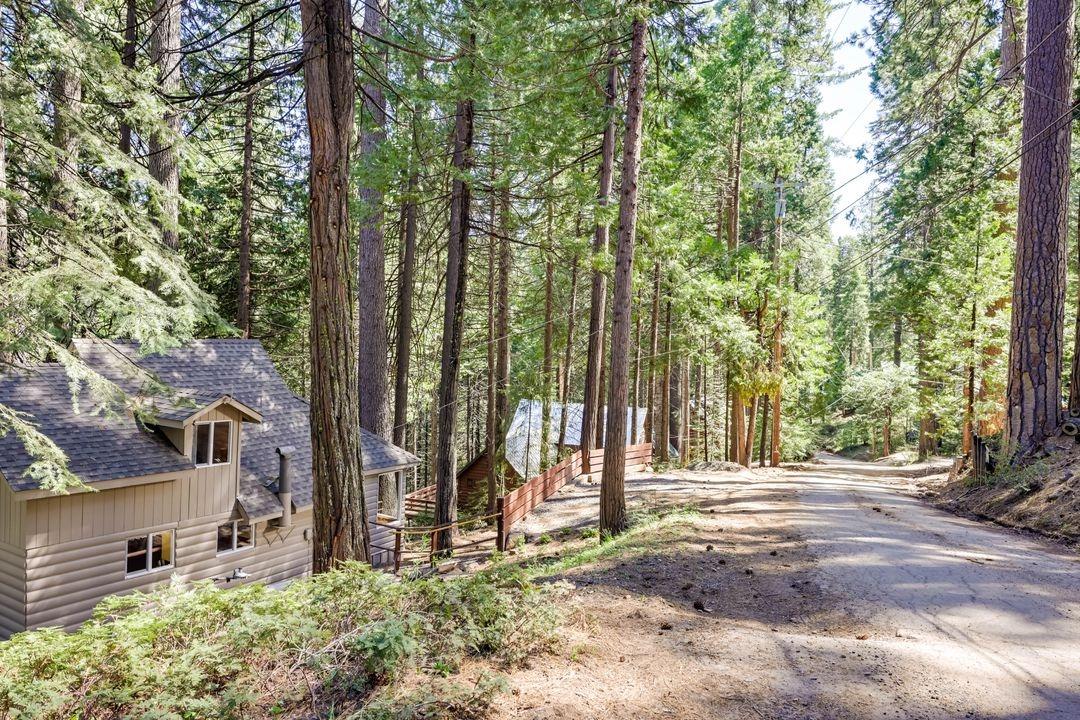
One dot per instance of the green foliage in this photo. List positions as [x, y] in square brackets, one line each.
[205, 652]
[875, 399]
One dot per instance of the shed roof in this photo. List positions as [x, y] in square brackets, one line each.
[523, 436]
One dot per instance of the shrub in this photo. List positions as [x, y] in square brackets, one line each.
[201, 652]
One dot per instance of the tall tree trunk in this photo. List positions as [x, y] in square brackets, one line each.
[927, 420]
[665, 390]
[601, 410]
[127, 58]
[612, 494]
[547, 363]
[764, 432]
[502, 326]
[1074, 374]
[969, 386]
[243, 300]
[341, 522]
[897, 338]
[654, 326]
[738, 423]
[457, 264]
[1038, 317]
[164, 160]
[751, 432]
[594, 389]
[371, 251]
[686, 390]
[736, 177]
[569, 357]
[705, 409]
[5, 238]
[67, 94]
[403, 354]
[492, 479]
[1012, 42]
[636, 382]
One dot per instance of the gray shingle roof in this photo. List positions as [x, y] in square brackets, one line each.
[257, 500]
[179, 406]
[203, 368]
[99, 446]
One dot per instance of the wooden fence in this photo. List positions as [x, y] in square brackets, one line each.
[428, 551]
[514, 505]
[420, 501]
[518, 503]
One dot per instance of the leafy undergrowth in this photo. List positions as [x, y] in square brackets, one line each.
[353, 643]
[1042, 496]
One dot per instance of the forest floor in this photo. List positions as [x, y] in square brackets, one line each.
[828, 590]
[1043, 496]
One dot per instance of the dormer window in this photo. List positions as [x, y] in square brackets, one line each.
[213, 444]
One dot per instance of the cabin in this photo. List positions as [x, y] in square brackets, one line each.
[209, 480]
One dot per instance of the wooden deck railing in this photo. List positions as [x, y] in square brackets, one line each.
[401, 552]
[515, 505]
[510, 508]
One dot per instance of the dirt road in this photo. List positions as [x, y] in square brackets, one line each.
[823, 592]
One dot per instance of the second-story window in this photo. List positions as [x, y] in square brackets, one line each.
[213, 443]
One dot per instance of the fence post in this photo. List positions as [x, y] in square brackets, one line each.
[397, 551]
[500, 523]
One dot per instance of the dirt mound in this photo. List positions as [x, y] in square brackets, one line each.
[1042, 496]
[714, 466]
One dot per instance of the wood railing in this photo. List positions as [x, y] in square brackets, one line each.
[402, 553]
[421, 501]
[515, 505]
[510, 508]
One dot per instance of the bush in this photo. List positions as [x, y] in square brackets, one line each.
[202, 652]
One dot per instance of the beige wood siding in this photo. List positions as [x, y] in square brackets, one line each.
[212, 490]
[12, 514]
[68, 518]
[65, 582]
[379, 536]
[12, 589]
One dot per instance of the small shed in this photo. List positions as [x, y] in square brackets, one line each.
[524, 435]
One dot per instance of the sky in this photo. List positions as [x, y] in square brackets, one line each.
[854, 107]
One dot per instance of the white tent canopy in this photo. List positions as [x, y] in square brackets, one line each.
[524, 436]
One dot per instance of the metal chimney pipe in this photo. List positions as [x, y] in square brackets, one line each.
[284, 492]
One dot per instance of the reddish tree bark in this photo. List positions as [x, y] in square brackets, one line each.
[612, 492]
[341, 526]
[1038, 316]
[371, 261]
[457, 265]
[594, 390]
[164, 160]
[243, 300]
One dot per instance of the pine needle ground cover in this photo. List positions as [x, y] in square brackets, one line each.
[349, 643]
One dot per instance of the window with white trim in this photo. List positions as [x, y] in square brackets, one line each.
[213, 443]
[235, 535]
[150, 552]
